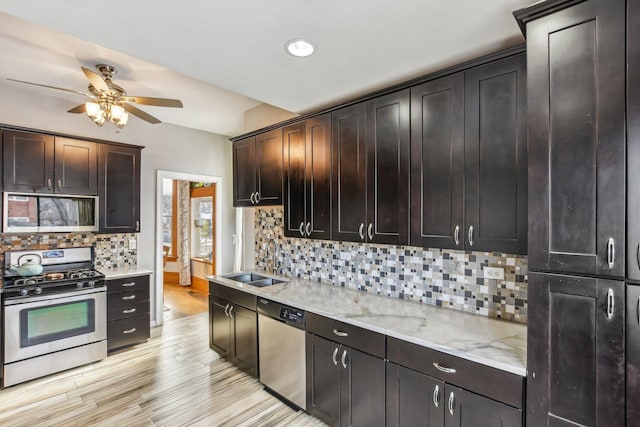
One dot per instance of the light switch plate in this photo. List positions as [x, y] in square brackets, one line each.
[133, 244]
[496, 273]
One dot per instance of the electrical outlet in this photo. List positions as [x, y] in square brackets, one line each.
[496, 273]
[133, 244]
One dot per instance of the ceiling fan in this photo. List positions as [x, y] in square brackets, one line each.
[110, 101]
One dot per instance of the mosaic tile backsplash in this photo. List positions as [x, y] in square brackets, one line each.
[442, 277]
[112, 250]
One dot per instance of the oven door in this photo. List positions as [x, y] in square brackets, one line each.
[46, 324]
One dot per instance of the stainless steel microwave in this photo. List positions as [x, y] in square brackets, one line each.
[48, 213]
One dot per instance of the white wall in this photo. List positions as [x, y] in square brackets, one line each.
[167, 147]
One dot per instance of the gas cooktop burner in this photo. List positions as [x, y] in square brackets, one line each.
[55, 277]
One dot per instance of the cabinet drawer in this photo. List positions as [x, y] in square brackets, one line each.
[126, 298]
[491, 382]
[344, 333]
[127, 309]
[127, 284]
[234, 296]
[128, 331]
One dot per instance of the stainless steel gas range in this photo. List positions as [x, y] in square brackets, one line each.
[56, 320]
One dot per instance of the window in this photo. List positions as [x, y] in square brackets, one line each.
[202, 232]
[169, 220]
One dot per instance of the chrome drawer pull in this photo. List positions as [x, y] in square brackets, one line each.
[344, 356]
[131, 310]
[451, 403]
[128, 285]
[611, 252]
[129, 331]
[610, 304]
[436, 396]
[129, 297]
[334, 358]
[444, 369]
[340, 333]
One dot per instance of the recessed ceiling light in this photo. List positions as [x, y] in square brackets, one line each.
[299, 47]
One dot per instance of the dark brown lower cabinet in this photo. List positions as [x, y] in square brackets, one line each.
[128, 311]
[345, 387]
[233, 333]
[416, 399]
[576, 358]
[633, 355]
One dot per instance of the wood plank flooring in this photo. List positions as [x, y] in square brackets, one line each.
[183, 301]
[172, 380]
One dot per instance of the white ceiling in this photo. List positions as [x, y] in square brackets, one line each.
[200, 47]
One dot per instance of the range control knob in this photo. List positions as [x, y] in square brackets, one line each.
[24, 292]
[79, 285]
[38, 290]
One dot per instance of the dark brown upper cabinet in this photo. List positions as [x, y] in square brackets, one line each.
[257, 168]
[576, 114]
[119, 188]
[495, 147]
[307, 178]
[437, 163]
[633, 141]
[370, 151]
[468, 161]
[40, 163]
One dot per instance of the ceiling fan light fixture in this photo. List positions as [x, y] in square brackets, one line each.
[118, 116]
[299, 48]
[95, 112]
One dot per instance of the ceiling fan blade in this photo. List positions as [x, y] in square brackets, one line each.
[79, 109]
[96, 80]
[53, 87]
[141, 114]
[159, 102]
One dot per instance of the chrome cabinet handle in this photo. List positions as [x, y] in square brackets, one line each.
[301, 229]
[308, 229]
[251, 198]
[128, 285]
[638, 310]
[340, 333]
[257, 197]
[610, 304]
[456, 235]
[231, 311]
[471, 235]
[59, 184]
[611, 252]
[137, 225]
[452, 403]
[129, 297]
[342, 359]
[361, 231]
[370, 231]
[444, 369]
[129, 331]
[131, 310]
[436, 396]
[334, 357]
[226, 312]
[49, 183]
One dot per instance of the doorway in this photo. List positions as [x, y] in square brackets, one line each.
[188, 243]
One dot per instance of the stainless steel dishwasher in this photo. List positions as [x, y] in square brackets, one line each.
[281, 350]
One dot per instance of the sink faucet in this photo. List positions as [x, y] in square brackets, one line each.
[272, 264]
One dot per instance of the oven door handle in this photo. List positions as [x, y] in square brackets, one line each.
[54, 298]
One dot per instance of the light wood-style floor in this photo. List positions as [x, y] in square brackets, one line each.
[172, 380]
[183, 301]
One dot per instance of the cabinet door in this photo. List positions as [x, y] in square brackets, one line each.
[27, 162]
[465, 409]
[295, 158]
[633, 354]
[220, 326]
[576, 111]
[318, 177]
[323, 379]
[76, 164]
[633, 140]
[413, 399]
[349, 174]
[388, 144]
[437, 163]
[575, 351]
[119, 188]
[244, 172]
[269, 167]
[496, 157]
[362, 389]
[245, 338]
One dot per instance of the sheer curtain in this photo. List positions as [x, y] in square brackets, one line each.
[184, 232]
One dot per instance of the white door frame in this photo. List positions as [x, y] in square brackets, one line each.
[160, 176]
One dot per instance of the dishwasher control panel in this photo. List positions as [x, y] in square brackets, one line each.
[291, 315]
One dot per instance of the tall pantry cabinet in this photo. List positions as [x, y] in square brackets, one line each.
[577, 219]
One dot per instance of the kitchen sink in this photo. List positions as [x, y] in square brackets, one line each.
[254, 279]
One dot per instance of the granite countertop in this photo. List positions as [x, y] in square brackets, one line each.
[117, 273]
[492, 342]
